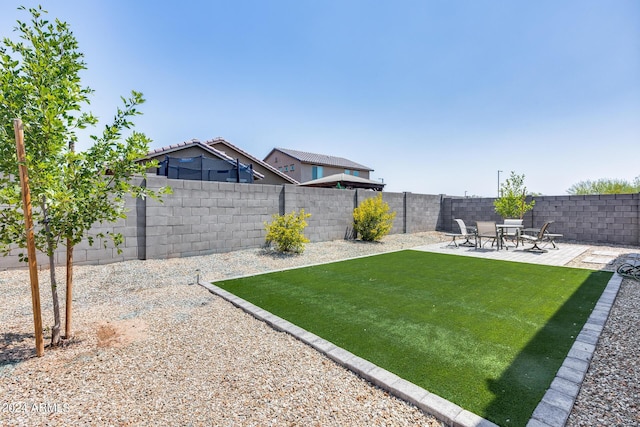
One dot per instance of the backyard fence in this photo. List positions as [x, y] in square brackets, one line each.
[203, 217]
[599, 219]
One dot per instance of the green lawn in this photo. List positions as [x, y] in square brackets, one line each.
[487, 335]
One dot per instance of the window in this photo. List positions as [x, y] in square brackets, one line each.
[286, 168]
[356, 173]
[347, 171]
[291, 168]
[316, 172]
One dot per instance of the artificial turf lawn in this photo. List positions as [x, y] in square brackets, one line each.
[487, 335]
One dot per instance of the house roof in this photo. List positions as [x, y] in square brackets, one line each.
[321, 159]
[265, 165]
[344, 180]
[196, 143]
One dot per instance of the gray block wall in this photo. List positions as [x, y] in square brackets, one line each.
[604, 219]
[85, 254]
[201, 218]
[331, 210]
[608, 219]
[396, 202]
[414, 212]
[423, 212]
[469, 210]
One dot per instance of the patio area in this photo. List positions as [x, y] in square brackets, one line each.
[561, 256]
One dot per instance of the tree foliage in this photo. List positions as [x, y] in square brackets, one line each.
[605, 186]
[71, 191]
[512, 202]
[372, 219]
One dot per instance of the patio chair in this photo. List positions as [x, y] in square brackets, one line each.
[512, 234]
[486, 230]
[539, 237]
[464, 233]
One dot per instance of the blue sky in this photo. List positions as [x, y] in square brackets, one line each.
[436, 96]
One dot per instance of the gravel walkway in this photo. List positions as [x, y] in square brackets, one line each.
[149, 349]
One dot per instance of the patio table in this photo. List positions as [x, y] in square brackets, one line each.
[501, 234]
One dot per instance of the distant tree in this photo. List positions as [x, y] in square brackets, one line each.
[605, 186]
[40, 84]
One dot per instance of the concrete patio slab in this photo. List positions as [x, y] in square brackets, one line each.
[598, 260]
[606, 253]
[557, 257]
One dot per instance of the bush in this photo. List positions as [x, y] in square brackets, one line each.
[285, 232]
[372, 219]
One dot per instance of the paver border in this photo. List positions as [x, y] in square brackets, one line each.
[556, 404]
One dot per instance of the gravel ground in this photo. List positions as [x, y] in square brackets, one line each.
[610, 393]
[150, 349]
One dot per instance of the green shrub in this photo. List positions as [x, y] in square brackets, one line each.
[285, 232]
[372, 219]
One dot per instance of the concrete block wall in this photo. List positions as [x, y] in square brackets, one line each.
[396, 202]
[83, 253]
[469, 210]
[103, 251]
[423, 212]
[414, 212]
[605, 219]
[202, 217]
[612, 218]
[331, 210]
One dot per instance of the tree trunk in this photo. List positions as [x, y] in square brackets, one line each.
[67, 323]
[55, 329]
[69, 294]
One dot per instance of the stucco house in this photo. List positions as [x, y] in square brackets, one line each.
[214, 160]
[271, 175]
[303, 166]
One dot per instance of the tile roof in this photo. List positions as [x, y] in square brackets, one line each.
[194, 142]
[219, 140]
[322, 159]
[345, 180]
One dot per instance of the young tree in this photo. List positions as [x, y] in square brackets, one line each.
[605, 186]
[512, 202]
[71, 191]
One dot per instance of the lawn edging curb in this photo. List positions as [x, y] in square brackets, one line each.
[430, 403]
[556, 404]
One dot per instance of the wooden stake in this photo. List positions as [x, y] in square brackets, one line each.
[31, 245]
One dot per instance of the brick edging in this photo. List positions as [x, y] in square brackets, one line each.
[556, 404]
